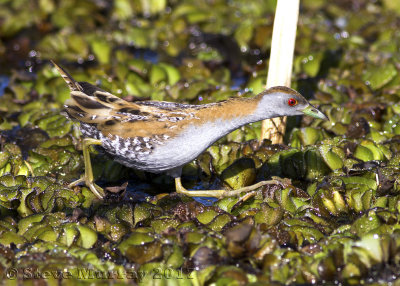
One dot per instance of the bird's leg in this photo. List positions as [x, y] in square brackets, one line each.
[88, 176]
[221, 193]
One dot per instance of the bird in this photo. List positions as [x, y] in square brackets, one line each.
[160, 136]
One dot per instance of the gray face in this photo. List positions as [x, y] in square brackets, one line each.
[292, 104]
[283, 101]
[295, 104]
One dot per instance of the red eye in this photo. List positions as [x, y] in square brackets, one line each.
[292, 102]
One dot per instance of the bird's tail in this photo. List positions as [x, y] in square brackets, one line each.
[72, 84]
[88, 103]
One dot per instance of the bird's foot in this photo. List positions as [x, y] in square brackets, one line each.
[96, 190]
[226, 193]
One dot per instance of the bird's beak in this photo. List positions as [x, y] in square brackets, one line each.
[310, 110]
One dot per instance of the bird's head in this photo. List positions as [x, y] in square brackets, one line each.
[284, 101]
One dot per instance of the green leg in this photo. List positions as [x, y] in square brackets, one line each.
[88, 177]
[221, 193]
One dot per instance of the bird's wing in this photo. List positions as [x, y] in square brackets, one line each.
[114, 116]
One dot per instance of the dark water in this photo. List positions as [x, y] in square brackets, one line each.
[147, 55]
[4, 81]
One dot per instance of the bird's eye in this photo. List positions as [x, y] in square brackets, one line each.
[292, 102]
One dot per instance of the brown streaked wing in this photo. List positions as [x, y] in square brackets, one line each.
[85, 108]
[138, 128]
[102, 95]
[145, 121]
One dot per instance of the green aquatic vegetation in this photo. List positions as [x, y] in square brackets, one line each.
[334, 217]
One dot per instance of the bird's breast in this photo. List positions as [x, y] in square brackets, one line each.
[190, 143]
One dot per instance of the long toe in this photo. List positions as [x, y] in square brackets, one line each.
[204, 193]
[74, 183]
[96, 190]
[223, 193]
